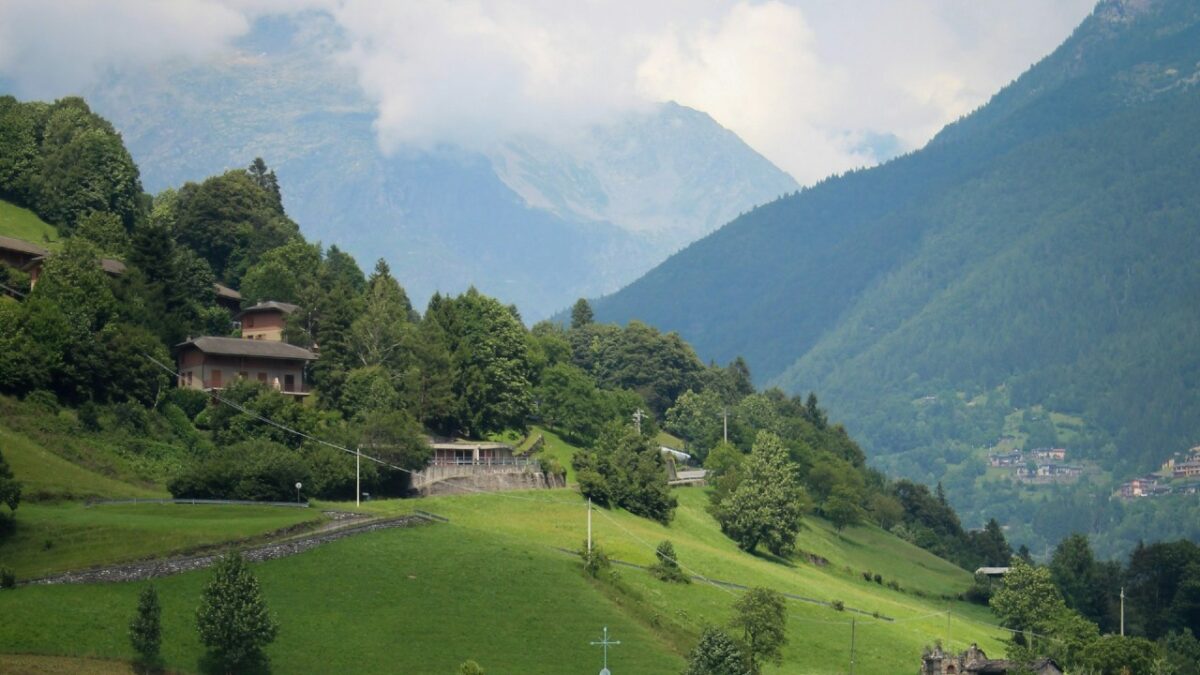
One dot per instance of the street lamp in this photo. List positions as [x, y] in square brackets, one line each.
[298, 486]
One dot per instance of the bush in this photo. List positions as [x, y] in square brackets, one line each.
[594, 561]
[838, 605]
[255, 470]
[7, 578]
[667, 568]
[191, 401]
[89, 416]
[879, 579]
[43, 399]
[131, 417]
[866, 576]
[470, 667]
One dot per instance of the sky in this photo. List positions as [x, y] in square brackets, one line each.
[810, 84]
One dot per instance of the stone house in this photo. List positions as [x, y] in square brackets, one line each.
[974, 662]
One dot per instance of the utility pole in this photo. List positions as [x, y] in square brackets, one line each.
[589, 527]
[605, 643]
[358, 475]
[637, 420]
[725, 422]
[852, 625]
[1122, 611]
[949, 612]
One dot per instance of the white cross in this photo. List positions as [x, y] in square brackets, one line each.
[605, 643]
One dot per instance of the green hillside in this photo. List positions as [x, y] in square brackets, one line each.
[1039, 252]
[479, 586]
[24, 224]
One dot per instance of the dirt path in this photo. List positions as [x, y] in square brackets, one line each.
[340, 526]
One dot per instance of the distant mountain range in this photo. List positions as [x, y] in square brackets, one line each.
[536, 223]
[1039, 254]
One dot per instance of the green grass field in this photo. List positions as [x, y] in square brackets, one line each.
[24, 224]
[52, 538]
[46, 475]
[490, 586]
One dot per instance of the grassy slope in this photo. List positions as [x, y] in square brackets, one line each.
[558, 519]
[24, 224]
[46, 474]
[489, 586]
[55, 538]
[399, 601]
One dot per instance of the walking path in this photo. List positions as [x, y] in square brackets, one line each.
[340, 526]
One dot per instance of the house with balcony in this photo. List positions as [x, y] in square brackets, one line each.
[212, 363]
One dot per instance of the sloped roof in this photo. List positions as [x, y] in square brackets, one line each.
[14, 244]
[265, 349]
[226, 292]
[113, 267]
[269, 306]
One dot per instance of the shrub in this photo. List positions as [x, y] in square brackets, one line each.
[191, 401]
[594, 561]
[667, 568]
[866, 576]
[838, 605]
[470, 667]
[894, 585]
[89, 416]
[131, 417]
[43, 399]
[7, 578]
[879, 579]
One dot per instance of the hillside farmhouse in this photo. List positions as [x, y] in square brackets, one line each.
[975, 662]
[18, 253]
[212, 363]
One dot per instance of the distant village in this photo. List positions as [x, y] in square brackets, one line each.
[1180, 474]
[1038, 466]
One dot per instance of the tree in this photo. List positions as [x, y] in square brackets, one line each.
[10, 489]
[145, 630]
[1120, 655]
[234, 622]
[716, 654]
[667, 566]
[624, 469]
[581, 314]
[1075, 572]
[762, 617]
[842, 508]
[886, 511]
[768, 503]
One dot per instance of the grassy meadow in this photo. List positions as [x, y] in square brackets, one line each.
[24, 224]
[50, 538]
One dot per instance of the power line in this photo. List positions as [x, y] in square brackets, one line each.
[359, 456]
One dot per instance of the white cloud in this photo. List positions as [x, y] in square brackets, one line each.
[803, 81]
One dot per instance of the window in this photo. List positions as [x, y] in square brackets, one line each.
[289, 382]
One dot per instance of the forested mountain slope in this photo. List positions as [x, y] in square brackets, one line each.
[1040, 251]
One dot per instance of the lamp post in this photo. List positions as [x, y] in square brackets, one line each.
[298, 486]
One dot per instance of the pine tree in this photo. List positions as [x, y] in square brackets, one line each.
[233, 619]
[145, 630]
[581, 313]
